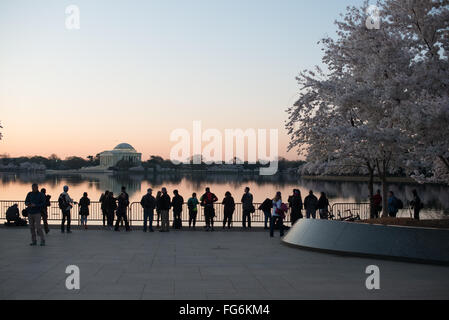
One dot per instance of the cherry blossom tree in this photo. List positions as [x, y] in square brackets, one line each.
[365, 111]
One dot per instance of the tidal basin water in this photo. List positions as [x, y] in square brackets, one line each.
[14, 186]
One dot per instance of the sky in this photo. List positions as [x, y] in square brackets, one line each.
[137, 70]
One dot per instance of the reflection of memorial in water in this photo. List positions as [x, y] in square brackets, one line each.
[114, 183]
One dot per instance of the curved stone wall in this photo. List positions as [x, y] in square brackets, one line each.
[422, 245]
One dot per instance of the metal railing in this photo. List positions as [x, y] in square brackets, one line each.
[135, 213]
[346, 210]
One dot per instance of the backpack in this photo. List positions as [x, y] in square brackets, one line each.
[62, 203]
[399, 204]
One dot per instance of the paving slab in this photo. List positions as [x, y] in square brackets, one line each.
[199, 265]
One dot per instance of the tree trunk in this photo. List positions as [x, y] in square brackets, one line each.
[383, 178]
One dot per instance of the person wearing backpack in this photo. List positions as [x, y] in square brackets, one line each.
[65, 204]
[177, 203]
[266, 208]
[323, 206]
[416, 204]
[228, 209]
[207, 201]
[192, 205]
[45, 210]
[34, 201]
[247, 207]
[122, 208]
[295, 203]
[148, 204]
[393, 205]
[84, 204]
[311, 205]
[277, 215]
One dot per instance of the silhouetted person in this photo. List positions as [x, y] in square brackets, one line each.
[377, 205]
[416, 204]
[84, 204]
[311, 205]
[65, 204]
[393, 205]
[177, 203]
[13, 216]
[207, 201]
[158, 209]
[323, 206]
[104, 211]
[247, 207]
[228, 209]
[148, 204]
[192, 205]
[111, 206]
[45, 210]
[122, 210]
[277, 215]
[34, 201]
[295, 203]
[266, 207]
[164, 203]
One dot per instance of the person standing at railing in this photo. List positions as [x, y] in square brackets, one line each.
[377, 205]
[323, 206]
[267, 207]
[148, 204]
[102, 201]
[34, 201]
[177, 203]
[164, 203]
[393, 205]
[311, 205]
[84, 209]
[228, 209]
[295, 203]
[207, 201]
[111, 206]
[158, 209]
[277, 215]
[416, 204]
[65, 204]
[247, 207]
[45, 210]
[192, 205]
[122, 210]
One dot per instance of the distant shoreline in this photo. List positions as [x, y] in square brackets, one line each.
[406, 180]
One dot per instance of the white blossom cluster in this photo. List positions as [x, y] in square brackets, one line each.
[383, 103]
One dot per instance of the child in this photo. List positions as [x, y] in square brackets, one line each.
[84, 209]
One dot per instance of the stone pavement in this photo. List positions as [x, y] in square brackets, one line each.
[198, 265]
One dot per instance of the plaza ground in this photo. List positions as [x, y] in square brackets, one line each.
[198, 265]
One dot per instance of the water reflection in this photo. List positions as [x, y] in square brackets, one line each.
[14, 186]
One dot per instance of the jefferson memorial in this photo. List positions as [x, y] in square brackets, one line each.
[123, 151]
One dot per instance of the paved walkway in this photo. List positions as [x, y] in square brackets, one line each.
[198, 265]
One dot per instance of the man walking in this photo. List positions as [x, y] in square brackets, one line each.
[148, 204]
[248, 208]
[164, 203]
[34, 201]
[65, 204]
